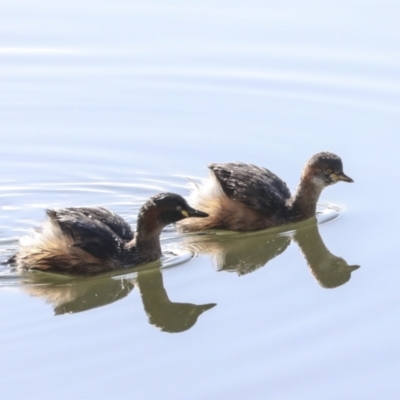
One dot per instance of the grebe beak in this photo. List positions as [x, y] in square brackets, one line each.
[191, 212]
[205, 307]
[341, 176]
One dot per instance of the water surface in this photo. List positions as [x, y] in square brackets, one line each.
[107, 105]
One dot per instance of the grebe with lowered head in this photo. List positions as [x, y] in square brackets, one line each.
[89, 240]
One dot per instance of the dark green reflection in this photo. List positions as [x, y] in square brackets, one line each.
[329, 270]
[76, 294]
[161, 311]
[240, 253]
[244, 253]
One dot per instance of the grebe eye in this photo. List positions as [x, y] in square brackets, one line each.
[179, 208]
[328, 171]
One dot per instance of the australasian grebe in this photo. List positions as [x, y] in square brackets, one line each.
[244, 197]
[89, 240]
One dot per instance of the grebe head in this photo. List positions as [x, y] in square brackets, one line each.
[168, 208]
[325, 169]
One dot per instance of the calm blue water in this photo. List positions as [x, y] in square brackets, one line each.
[109, 103]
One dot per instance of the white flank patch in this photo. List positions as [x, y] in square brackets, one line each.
[207, 190]
[50, 235]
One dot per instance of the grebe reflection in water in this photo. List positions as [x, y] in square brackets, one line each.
[68, 294]
[244, 253]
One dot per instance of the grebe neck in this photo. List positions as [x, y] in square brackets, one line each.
[147, 236]
[303, 204]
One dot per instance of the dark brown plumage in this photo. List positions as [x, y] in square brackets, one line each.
[244, 197]
[89, 240]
